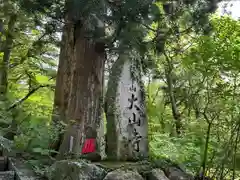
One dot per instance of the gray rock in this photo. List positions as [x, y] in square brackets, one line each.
[157, 174]
[7, 175]
[6, 146]
[22, 171]
[123, 175]
[165, 163]
[75, 170]
[177, 174]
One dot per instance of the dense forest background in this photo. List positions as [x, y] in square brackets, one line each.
[190, 64]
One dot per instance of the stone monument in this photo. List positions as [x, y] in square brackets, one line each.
[127, 127]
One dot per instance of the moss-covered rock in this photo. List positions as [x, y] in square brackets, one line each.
[123, 175]
[117, 170]
[77, 170]
[6, 147]
[156, 174]
[174, 173]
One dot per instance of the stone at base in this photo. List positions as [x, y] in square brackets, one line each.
[177, 174]
[76, 170]
[123, 175]
[157, 174]
[22, 171]
[7, 175]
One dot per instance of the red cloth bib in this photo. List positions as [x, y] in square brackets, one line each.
[89, 146]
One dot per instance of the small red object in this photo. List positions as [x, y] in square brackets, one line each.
[89, 146]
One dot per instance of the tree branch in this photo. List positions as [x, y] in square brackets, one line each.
[14, 105]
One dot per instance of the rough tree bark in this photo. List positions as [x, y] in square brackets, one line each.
[63, 80]
[82, 98]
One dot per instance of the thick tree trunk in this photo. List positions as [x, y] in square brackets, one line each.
[63, 81]
[6, 56]
[84, 100]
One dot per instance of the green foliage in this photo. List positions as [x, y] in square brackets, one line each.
[206, 88]
[26, 113]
